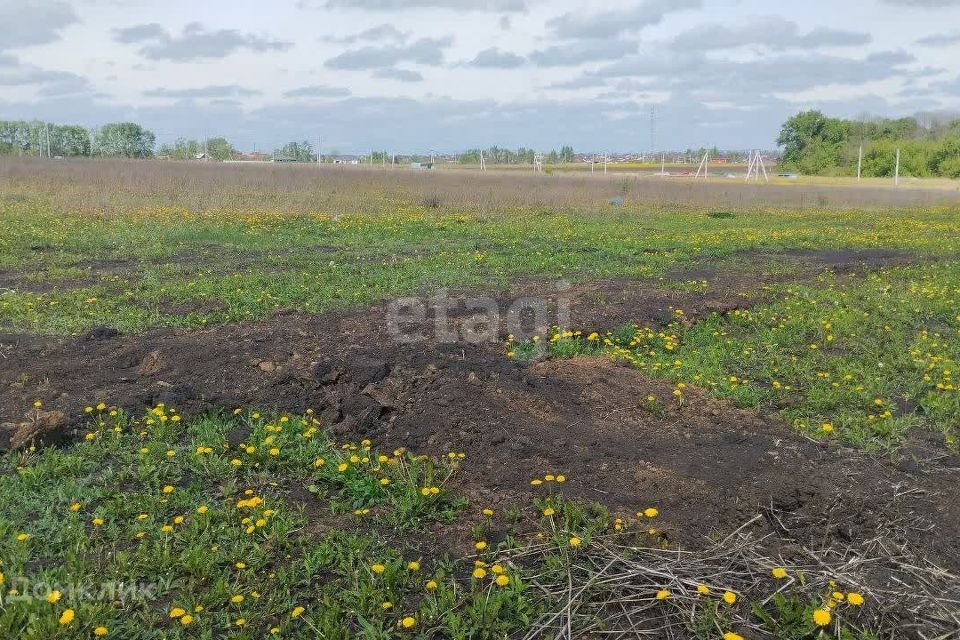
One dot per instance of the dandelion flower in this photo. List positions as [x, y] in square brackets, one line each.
[54, 596]
[502, 580]
[663, 594]
[575, 542]
[378, 568]
[779, 573]
[168, 489]
[185, 620]
[703, 589]
[548, 511]
[413, 565]
[730, 635]
[431, 585]
[100, 631]
[729, 597]
[821, 617]
[855, 599]
[480, 546]
[237, 599]
[650, 512]
[177, 612]
[297, 612]
[67, 617]
[408, 622]
[386, 605]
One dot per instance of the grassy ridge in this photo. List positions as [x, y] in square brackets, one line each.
[865, 359]
[160, 528]
[170, 266]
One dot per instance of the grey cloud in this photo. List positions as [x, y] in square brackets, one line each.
[401, 75]
[31, 23]
[317, 91]
[194, 43]
[212, 91]
[774, 33]
[48, 82]
[397, 5]
[426, 51]
[940, 40]
[494, 58]
[609, 24]
[739, 81]
[139, 33]
[581, 82]
[378, 33]
[582, 51]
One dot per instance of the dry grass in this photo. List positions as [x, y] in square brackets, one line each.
[608, 590]
[117, 185]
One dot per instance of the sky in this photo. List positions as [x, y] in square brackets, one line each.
[447, 75]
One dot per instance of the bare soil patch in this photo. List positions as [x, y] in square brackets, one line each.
[707, 466]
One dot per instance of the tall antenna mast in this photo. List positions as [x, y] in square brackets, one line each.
[653, 129]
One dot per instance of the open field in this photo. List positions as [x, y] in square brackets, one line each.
[737, 415]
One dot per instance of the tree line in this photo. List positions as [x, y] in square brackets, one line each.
[35, 138]
[498, 155]
[121, 140]
[819, 145]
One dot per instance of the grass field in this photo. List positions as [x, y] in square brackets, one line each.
[197, 447]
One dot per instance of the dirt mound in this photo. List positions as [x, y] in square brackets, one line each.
[706, 465]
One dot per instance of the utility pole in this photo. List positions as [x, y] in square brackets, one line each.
[896, 175]
[319, 141]
[604, 164]
[653, 129]
[859, 162]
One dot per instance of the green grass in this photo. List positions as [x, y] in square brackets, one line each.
[156, 528]
[151, 266]
[864, 359]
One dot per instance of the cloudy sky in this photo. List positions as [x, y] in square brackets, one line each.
[416, 75]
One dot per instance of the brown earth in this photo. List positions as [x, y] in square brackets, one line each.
[706, 465]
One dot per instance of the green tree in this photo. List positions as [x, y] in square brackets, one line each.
[220, 149]
[812, 142]
[123, 139]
